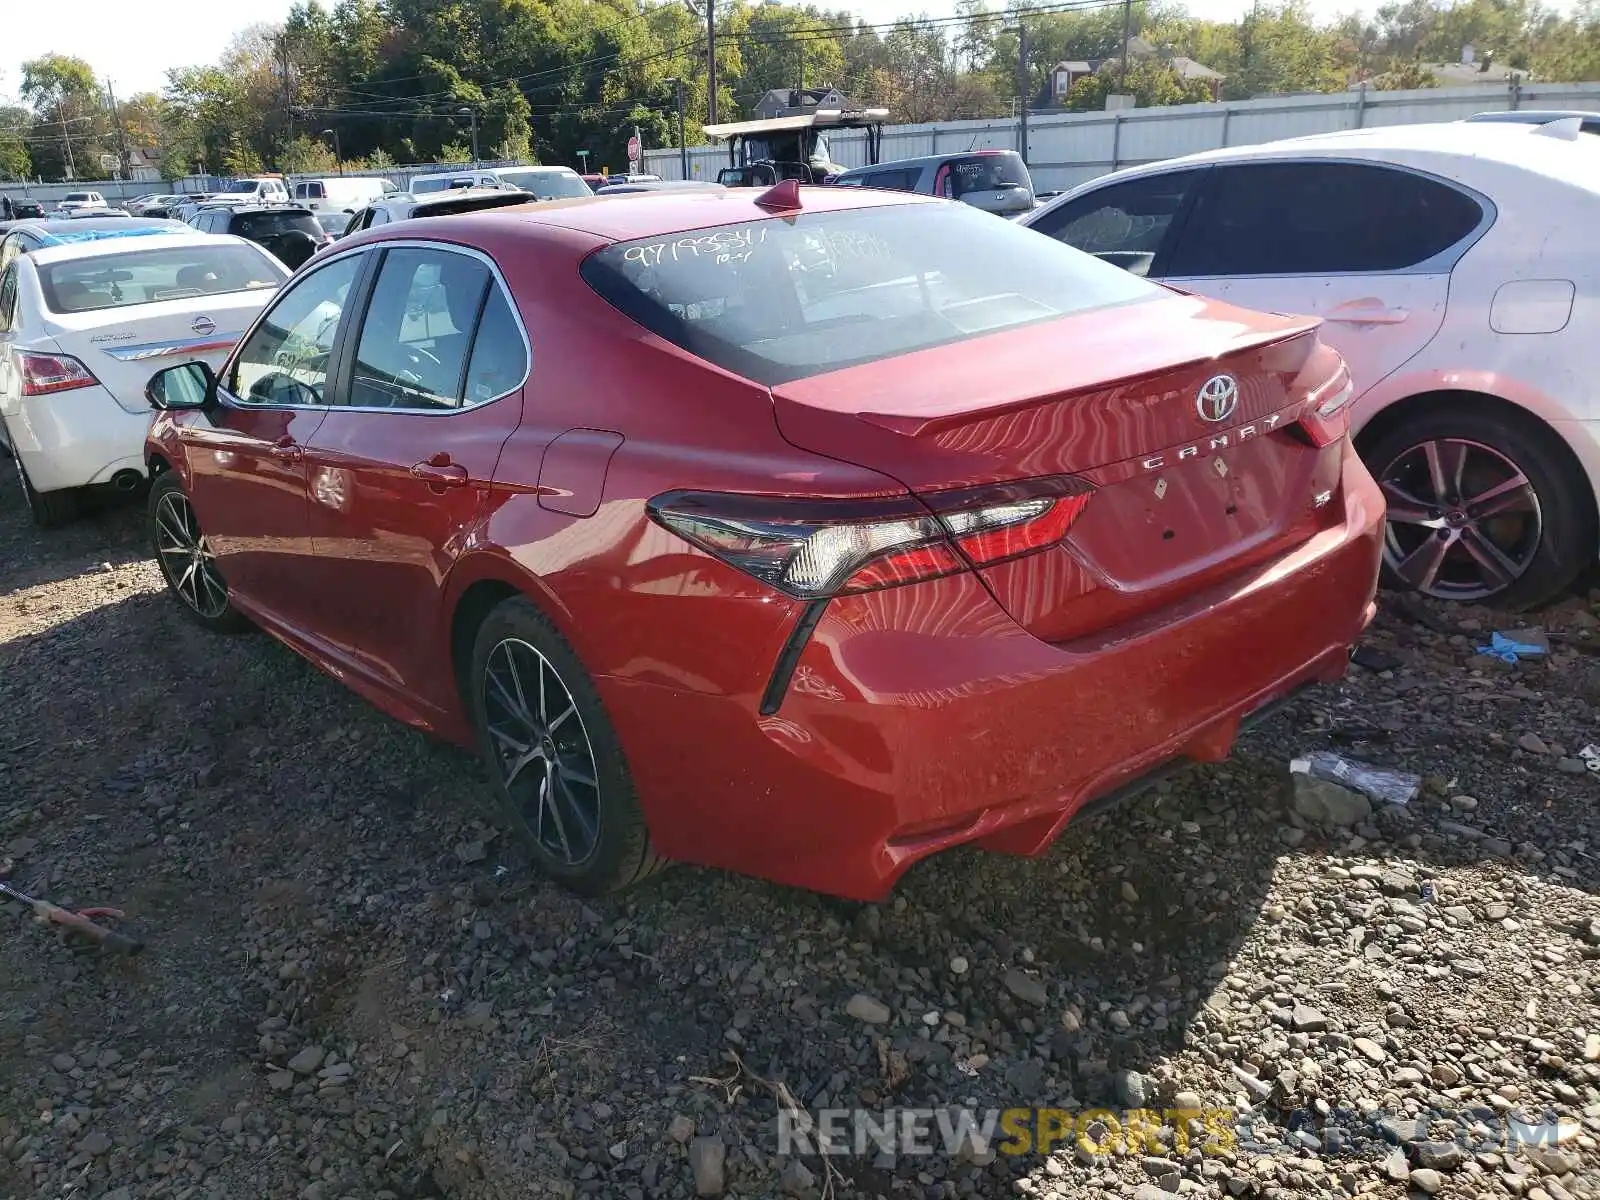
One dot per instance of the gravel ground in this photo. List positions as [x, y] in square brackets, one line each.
[355, 987]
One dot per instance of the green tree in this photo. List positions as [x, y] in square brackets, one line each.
[1150, 81]
[15, 162]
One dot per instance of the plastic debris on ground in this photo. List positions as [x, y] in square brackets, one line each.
[1591, 757]
[1516, 644]
[1376, 783]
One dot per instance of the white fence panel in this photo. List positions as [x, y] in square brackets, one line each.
[1066, 149]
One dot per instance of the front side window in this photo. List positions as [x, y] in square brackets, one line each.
[1127, 224]
[791, 297]
[417, 331]
[1319, 218]
[107, 281]
[285, 360]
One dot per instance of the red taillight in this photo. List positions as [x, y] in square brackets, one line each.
[811, 549]
[46, 374]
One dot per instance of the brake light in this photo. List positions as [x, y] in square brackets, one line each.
[46, 374]
[812, 549]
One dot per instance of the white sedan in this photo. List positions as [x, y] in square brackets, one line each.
[1457, 269]
[82, 328]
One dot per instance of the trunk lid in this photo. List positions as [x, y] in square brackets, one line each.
[124, 346]
[1112, 396]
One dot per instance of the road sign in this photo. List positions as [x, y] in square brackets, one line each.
[633, 148]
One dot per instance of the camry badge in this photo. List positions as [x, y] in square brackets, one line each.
[205, 326]
[1217, 399]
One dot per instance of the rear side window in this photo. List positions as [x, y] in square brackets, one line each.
[416, 335]
[309, 191]
[147, 276]
[1127, 224]
[8, 298]
[904, 180]
[1318, 218]
[787, 298]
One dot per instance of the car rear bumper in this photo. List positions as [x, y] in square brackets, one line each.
[76, 439]
[923, 717]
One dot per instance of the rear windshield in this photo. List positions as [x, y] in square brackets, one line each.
[76, 196]
[985, 172]
[791, 297]
[146, 276]
[256, 226]
[547, 185]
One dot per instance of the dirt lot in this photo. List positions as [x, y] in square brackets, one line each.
[354, 988]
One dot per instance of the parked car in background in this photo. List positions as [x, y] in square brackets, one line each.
[935, 528]
[24, 237]
[347, 194]
[260, 190]
[468, 178]
[403, 206]
[334, 223]
[547, 183]
[188, 206]
[24, 208]
[996, 181]
[1457, 269]
[83, 324]
[592, 180]
[291, 234]
[133, 205]
[78, 201]
[1589, 121]
[153, 205]
[660, 185]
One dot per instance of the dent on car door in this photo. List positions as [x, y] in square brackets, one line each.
[400, 473]
[1131, 224]
[246, 459]
[1367, 247]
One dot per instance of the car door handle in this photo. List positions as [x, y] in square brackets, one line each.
[288, 449]
[442, 474]
[1364, 313]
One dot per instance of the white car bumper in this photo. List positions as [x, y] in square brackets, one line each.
[77, 438]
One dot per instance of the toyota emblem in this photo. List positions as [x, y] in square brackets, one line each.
[205, 326]
[1218, 397]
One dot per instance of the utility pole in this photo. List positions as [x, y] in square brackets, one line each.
[122, 134]
[1022, 90]
[711, 62]
[683, 141]
[66, 141]
[1127, 36]
[801, 84]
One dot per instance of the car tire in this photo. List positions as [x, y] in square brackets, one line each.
[1544, 537]
[553, 755]
[49, 510]
[193, 579]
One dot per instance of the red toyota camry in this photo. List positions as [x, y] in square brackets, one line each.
[803, 533]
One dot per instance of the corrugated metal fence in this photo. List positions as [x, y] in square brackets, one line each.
[1066, 149]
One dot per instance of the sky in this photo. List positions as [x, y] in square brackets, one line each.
[133, 47]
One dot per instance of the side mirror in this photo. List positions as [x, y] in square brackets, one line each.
[191, 385]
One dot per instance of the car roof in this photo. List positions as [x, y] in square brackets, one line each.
[1531, 116]
[104, 246]
[1441, 146]
[243, 209]
[638, 215]
[82, 229]
[923, 160]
